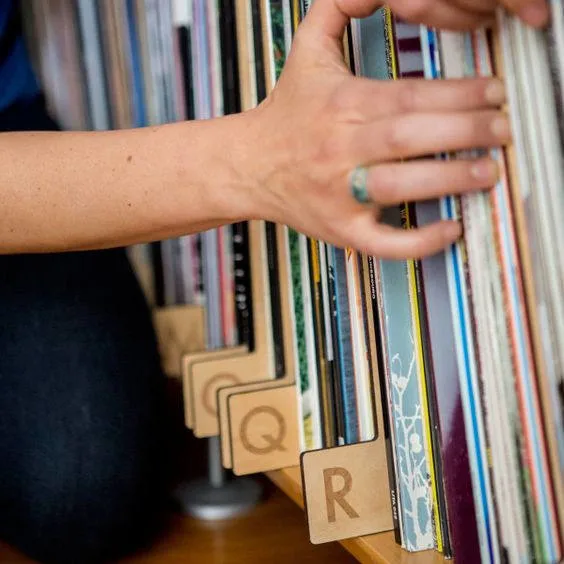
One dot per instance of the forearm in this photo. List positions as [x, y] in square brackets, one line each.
[83, 190]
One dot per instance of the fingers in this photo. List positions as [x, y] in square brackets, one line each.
[420, 135]
[330, 17]
[364, 99]
[443, 14]
[533, 12]
[486, 7]
[467, 14]
[393, 184]
[390, 243]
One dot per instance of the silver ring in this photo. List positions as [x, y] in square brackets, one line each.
[359, 185]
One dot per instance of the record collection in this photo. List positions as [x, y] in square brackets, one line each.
[467, 345]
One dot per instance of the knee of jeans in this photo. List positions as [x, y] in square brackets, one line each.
[90, 506]
[83, 524]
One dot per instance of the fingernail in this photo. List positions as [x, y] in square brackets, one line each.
[495, 92]
[485, 171]
[535, 13]
[501, 128]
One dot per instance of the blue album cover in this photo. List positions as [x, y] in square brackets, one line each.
[413, 477]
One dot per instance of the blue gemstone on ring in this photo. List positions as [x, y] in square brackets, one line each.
[358, 183]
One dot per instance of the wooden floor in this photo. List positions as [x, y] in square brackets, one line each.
[274, 532]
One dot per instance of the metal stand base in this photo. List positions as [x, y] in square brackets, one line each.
[202, 500]
[217, 497]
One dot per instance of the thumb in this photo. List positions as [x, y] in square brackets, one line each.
[330, 18]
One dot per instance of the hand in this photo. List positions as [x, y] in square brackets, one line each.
[455, 14]
[320, 122]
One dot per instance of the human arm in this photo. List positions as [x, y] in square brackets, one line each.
[286, 161]
[84, 190]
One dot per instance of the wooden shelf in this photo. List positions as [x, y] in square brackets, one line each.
[380, 548]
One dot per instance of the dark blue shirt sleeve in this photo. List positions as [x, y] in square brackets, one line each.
[17, 79]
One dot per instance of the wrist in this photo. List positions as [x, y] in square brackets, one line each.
[263, 162]
[245, 156]
[222, 156]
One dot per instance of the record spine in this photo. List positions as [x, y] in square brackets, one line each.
[382, 371]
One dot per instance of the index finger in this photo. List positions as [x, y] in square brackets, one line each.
[532, 12]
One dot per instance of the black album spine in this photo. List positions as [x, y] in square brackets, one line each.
[337, 375]
[239, 231]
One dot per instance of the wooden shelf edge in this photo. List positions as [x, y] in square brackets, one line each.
[380, 549]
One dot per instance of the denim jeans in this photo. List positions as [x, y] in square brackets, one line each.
[81, 401]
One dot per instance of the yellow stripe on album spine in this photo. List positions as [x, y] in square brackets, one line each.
[328, 429]
[296, 13]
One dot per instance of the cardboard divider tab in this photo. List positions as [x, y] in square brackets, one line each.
[347, 488]
[205, 376]
[346, 491]
[189, 361]
[208, 377]
[223, 395]
[180, 329]
[263, 426]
